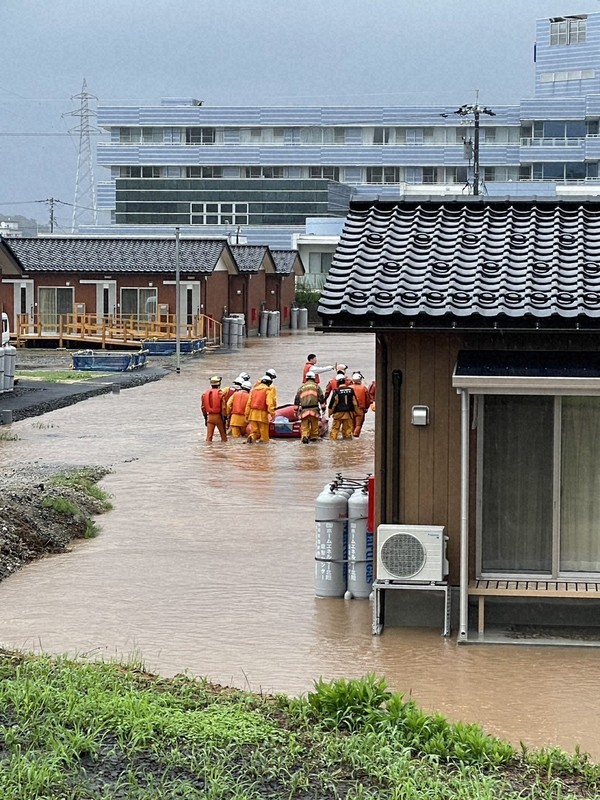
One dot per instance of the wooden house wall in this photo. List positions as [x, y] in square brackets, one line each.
[215, 294]
[419, 470]
[286, 298]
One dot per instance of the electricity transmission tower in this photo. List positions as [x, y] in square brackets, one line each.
[84, 206]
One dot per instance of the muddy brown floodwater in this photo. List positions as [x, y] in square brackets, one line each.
[205, 565]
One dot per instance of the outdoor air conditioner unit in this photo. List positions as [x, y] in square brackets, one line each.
[411, 553]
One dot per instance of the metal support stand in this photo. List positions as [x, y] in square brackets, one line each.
[379, 588]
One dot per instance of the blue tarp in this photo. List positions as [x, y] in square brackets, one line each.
[168, 347]
[92, 360]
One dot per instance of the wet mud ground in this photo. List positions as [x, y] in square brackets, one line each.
[205, 564]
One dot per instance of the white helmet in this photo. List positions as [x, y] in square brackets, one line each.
[246, 386]
[310, 374]
[271, 374]
[356, 376]
[245, 376]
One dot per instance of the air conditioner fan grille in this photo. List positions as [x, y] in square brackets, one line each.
[403, 555]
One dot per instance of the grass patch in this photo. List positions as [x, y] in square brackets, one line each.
[84, 481]
[81, 730]
[57, 376]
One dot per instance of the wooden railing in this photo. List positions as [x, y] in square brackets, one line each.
[129, 331]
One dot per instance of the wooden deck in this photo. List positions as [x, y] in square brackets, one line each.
[548, 590]
[111, 332]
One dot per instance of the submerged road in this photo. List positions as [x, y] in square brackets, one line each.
[205, 564]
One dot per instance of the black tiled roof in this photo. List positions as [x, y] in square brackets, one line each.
[451, 262]
[285, 260]
[76, 254]
[249, 257]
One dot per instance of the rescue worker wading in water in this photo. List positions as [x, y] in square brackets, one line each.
[236, 410]
[363, 398]
[260, 409]
[311, 402]
[342, 407]
[213, 409]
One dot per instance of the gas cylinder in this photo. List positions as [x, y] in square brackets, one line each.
[10, 360]
[360, 545]
[331, 513]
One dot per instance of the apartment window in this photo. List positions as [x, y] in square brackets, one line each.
[264, 172]
[384, 136]
[561, 171]
[383, 175]
[329, 173]
[322, 135]
[130, 135]
[200, 136]
[218, 213]
[457, 175]
[494, 174]
[139, 172]
[567, 30]
[204, 172]
[567, 75]
[319, 263]
[152, 136]
[262, 135]
[414, 135]
[432, 175]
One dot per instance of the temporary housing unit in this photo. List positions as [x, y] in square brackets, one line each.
[486, 314]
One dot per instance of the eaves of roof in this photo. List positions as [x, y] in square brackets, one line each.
[469, 263]
[116, 254]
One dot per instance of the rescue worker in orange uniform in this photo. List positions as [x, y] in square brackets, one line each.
[310, 366]
[363, 399]
[342, 408]
[311, 403]
[372, 388]
[332, 385]
[236, 410]
[228, 391]
[213, 409]
[260, 408]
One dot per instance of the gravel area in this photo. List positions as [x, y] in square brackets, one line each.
[37, 513]
[30, 525]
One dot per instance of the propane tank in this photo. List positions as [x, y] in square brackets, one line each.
[331, 512]
[10, 359]
[360, 546]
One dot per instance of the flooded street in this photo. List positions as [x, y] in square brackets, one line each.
[205, 565]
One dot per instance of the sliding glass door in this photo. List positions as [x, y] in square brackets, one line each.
[54, 301]
[539, 485]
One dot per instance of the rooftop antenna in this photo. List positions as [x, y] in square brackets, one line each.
[472, 147]
[84, 205]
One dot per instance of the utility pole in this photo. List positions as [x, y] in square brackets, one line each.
[474, 110]
[84, 206]
[51, 202]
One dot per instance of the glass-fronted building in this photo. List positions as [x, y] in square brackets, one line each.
[259, 172]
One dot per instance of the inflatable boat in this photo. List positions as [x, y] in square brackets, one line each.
[286, 425]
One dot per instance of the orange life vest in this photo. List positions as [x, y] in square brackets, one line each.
[362, 395]
[258, 398]
[213, 401]
[239, 403]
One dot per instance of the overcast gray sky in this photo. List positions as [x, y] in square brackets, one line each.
[242, 52]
